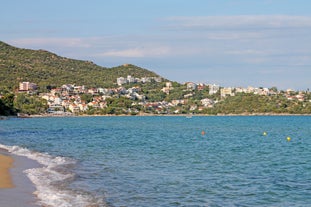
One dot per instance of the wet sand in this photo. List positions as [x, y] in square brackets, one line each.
[16, 189]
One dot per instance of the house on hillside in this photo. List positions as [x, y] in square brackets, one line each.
[121, 81]
[74, 108]
[207, 102]
[213, 88]
[226, 92]
[168, 87]
[83, 107]
[201, 87]
[27, 86]
[191, 86]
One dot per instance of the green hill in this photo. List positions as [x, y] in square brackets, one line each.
[45, 68]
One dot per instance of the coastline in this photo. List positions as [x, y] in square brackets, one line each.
[159, 115]
[59, 115]
[19, 190]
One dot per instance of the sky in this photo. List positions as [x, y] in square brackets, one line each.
[232, 43]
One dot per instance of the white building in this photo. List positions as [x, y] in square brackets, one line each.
[191, 86]
[207, 102]
[226, 92]
[130, 79]
[121, 81]
[27, 86]
[213, 88]
[168, 88]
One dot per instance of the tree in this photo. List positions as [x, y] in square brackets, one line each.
[274, 89]
[6, 105]
[30, 104]
[86, 97]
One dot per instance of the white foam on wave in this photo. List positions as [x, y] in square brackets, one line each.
[51, 179]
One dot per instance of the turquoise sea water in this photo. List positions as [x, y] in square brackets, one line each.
[166, 161]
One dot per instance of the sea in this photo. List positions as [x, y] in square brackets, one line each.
[142, 161]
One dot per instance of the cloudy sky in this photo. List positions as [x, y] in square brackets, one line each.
[260, 43]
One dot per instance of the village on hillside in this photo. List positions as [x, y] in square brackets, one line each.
[72, 99]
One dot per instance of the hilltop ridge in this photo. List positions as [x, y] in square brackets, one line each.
[46, 68]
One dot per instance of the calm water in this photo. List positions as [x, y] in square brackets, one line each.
[166, 161]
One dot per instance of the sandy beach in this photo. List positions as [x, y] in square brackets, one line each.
[5, 177]
[16, 189]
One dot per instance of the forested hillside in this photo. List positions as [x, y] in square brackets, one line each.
[45, 68]
[255, 104]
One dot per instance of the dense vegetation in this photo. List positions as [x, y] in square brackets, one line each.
[11, 104]
[257, 104]
[7, 105]
[45, 69]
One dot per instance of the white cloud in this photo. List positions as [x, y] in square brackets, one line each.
[238, 22]
[137, 52]
[98, 46]
[123, 53]
[234, 35]
[54, 42]
[248, 52]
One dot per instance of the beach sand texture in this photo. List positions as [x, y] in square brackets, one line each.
[16, 189]
[6, 163]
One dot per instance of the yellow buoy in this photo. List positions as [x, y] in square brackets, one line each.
[264, 133]
[288, 139]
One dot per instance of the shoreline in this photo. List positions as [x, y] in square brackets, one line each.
[48, 115]
[37, 183]
[160, 115]
[19, 190]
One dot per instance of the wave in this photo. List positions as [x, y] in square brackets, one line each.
[53, 178]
